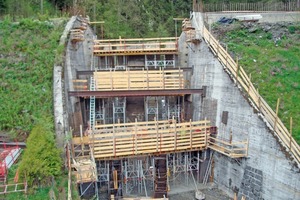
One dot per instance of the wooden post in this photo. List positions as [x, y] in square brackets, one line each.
[114, 141]
[205, 133]
[235, 196]
[147, 79]
[128, 77]
[218, 46]
[226, 49]
[249, 84]
[259, 101]
[247, 147]
[291, 127]
[115, 176]
[163, 77]
[111, 80]
[230, 139]
[81, 140]
[191, 141]
[156, 128]
[175, 133]
[237, 70]
[135, 133]
[276, 118]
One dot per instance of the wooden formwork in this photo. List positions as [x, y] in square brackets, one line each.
[139, 80]
[155, 137]
[141, 46]
[80, 84]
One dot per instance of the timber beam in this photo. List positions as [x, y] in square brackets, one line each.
[135, 93]
[91, 72]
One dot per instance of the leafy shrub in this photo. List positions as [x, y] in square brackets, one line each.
[41, 160]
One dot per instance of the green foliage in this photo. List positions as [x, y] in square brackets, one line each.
[274, 66]
[26, 63]
[41, 160]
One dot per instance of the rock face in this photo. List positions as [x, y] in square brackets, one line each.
[267, 173]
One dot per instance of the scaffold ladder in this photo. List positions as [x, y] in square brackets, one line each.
[92, 104]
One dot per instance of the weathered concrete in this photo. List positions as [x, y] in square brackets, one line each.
[78, 57]
[267, 173]
[59, 114]
[271, 17]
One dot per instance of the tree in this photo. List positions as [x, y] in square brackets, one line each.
[41, 159]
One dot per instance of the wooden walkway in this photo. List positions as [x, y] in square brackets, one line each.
[139, 80]
[114, 141]
[140, 46]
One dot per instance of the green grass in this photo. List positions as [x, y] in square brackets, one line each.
[274, 68]
[59, 187]
[27, 57]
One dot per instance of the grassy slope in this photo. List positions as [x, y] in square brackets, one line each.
[274, 67]
[27, 53]
[27, 57]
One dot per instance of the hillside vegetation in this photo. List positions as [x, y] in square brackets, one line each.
[27, 52]
[270, 53]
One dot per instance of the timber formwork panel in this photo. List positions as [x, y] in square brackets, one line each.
[139, 80]
[150, 46]
[146, 138]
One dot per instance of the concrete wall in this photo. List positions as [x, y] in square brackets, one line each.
[78, 57]
[58, 100]
[271, 17]
[267, 173]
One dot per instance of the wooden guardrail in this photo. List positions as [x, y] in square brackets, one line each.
[230, 149]
[139, 80]
[239, 76]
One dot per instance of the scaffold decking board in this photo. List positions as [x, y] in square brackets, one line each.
[135, 46]
[139, 80]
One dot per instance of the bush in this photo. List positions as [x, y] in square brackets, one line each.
[41, 160]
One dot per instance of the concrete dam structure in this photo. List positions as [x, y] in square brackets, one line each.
[150, 116]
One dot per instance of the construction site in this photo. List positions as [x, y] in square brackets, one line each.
[152, 117]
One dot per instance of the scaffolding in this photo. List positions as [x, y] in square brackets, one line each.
[100, 112]
[119, 110]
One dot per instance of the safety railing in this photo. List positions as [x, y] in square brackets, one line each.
[239, 76]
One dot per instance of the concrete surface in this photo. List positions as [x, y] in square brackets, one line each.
[267, 173]
[78, 57]
[59, 113]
